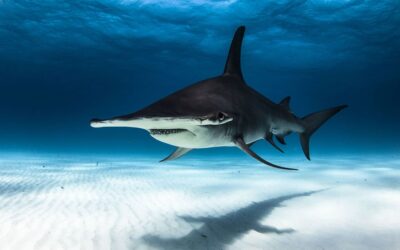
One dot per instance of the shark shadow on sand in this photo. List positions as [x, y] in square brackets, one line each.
[220, 232]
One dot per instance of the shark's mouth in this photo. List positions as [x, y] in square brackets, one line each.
[167, 131]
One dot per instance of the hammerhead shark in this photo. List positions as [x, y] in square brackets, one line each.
[222, 111]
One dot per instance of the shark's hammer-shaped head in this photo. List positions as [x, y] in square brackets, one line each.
[198, 116]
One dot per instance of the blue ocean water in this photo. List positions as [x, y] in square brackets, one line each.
[63, 63]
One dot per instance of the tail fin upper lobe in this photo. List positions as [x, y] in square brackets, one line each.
[312, 122]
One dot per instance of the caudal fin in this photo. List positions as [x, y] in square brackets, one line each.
[312, 122]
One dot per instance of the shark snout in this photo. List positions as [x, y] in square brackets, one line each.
[115, 122]
[95, 123]
[98, 123]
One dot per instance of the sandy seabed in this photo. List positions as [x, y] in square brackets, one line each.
[351, 203]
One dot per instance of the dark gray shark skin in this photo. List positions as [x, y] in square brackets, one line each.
[221, 231]
[222, 111]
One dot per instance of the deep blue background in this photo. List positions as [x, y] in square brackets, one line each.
[65, 62]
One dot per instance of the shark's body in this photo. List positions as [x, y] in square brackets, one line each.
[221, 111]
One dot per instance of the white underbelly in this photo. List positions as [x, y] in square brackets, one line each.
[202, 138]
[187, 140]
[195, 139]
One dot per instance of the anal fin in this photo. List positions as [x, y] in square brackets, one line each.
[242, 145]
[176, 154]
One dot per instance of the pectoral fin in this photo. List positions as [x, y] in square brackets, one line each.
[176, 154]
[242, 145]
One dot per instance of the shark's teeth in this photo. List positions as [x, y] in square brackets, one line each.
[166, 131]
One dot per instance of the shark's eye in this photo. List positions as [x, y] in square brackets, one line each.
[221, 116]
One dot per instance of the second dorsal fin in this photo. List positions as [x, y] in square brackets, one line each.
[285, 102]
[232, 65]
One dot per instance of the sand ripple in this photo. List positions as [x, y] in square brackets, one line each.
[140, 204]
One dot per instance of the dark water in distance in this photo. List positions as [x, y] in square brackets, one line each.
[63, 63]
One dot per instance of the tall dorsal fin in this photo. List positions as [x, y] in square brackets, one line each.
[232, 65]
[285, 102]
